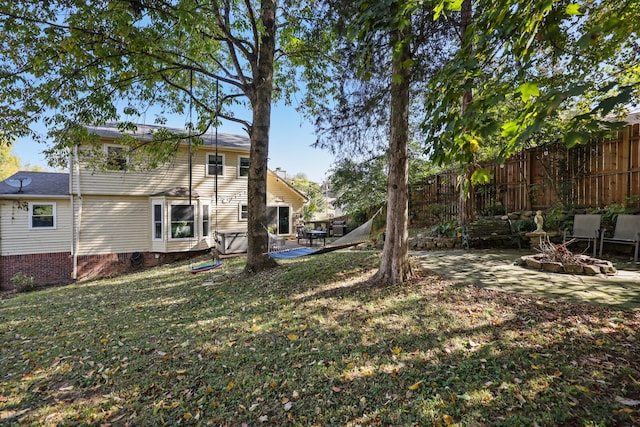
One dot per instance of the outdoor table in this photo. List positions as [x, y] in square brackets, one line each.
[317, 234]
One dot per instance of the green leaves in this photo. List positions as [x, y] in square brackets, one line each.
[481, 176]
[527, 90]
[446, 5]
[573, 9]
[608, 104]
[529, 64]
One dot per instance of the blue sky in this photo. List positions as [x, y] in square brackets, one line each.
[289, 147]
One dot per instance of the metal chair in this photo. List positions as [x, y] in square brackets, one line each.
[585, 227]
[627, 232]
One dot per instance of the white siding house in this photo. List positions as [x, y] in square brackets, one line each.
[92, 223]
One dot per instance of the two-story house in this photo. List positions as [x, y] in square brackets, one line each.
[60, 227]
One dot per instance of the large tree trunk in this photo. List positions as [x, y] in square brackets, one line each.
[260, 96]
[466, 201]
[395, 266]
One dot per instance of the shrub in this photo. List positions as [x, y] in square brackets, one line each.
[524, 225]
[557, 219]
[22, 282]
[444, 229]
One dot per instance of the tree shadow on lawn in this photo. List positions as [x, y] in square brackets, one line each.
[527, 355]
[333, 350]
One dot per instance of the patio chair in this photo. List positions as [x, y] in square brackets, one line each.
[585, 227]
[301, 234]
[627, 232]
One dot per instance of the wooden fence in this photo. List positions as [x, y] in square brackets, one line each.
[592, 175]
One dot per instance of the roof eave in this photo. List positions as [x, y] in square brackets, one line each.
[33, 196]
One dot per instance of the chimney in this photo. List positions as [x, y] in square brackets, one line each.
[281, 173]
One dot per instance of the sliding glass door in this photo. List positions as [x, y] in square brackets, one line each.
[279, 219]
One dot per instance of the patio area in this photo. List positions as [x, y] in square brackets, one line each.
[496, 269]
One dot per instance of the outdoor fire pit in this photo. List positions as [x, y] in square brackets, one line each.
[556, 258]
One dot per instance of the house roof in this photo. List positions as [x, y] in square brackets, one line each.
[177, 192]
[633, 118]
[41, 184]
[145, 133]
[289, 186]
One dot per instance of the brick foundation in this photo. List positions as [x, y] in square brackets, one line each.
[109, 265]
[47, 269]
[57, 268]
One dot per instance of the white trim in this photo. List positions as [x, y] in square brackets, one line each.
[195, 221]
[34, 196]
[240, 218]
[154, 221]
[31, 227]
[240, 167]
[202, 212]
[206, 165]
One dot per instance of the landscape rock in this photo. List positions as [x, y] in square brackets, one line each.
[553, 267]
[591, 270]
[573, 268]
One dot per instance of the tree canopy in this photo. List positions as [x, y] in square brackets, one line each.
[69, 64]
[546, 58]
[313, 190]
[10, 163]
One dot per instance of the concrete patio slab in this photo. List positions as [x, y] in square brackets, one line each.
[496, 269]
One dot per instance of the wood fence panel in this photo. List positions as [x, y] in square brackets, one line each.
[512, 180]
[591, 181]
[537, 179]
[592, 175]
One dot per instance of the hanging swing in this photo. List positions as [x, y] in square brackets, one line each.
[215, 263]
[205, 266]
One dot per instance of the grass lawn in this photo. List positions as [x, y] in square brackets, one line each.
[311, 343]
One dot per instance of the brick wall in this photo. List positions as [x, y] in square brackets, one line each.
[109, 265]
[57, 268]
[47, 269]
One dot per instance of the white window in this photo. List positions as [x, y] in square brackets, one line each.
[158, 221]
[215, 165]
[243, 167]
[243, 212]
[205, 220]
[42, 215]
[116, 159]
[182, 221]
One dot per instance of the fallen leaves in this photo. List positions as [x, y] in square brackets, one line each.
[627, 402]
[286, 351]
[416, 386]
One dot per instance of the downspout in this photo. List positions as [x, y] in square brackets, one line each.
[73, 210]
[75, 169]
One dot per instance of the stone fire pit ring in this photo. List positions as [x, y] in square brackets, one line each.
[582, 264]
